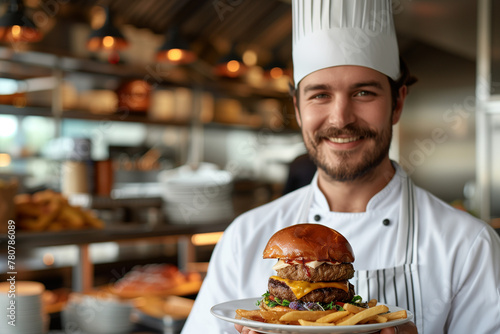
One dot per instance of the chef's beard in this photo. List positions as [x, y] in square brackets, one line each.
[342, 166]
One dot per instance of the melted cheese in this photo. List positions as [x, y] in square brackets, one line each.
[302, 288]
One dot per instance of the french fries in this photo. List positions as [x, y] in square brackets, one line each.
[352, 315]
[369, 312]
[50, 211]
[333, 317]
[304, 315]
[353, 308]
[250, 314]
[395, 315]
[273, 317]
[312, 323]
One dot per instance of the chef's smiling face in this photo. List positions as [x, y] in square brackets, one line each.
[346, 116]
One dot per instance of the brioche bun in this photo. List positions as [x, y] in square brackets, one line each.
[309, 242]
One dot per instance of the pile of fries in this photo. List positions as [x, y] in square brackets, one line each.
[50, 211]
[351, 315]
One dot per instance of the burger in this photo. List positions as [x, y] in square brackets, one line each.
[313, 269]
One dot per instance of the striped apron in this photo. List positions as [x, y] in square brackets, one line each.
[398, 285]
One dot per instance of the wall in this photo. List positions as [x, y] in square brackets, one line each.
[437, 131]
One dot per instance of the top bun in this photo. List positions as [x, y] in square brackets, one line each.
[309, 242]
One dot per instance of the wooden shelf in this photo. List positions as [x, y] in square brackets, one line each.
[85, 115]
[118, 117]
[7, 109]
[130, 117]
[198, 75]
[126, 232]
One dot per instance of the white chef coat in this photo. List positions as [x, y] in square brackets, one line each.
[458, 257]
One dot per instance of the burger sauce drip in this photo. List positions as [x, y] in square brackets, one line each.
[291, 262]
[308, 273]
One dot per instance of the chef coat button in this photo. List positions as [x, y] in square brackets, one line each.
[317, 218]
[386, 222]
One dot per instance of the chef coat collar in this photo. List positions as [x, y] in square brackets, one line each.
[375, 201]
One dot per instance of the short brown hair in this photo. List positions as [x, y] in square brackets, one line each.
[405, 79]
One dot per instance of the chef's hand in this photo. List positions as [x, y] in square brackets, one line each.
[244, 330]
[407, 328]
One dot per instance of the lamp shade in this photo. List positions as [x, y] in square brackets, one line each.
[231, 65]
[276, 69]
[15, 26]
[108, 37]
[175, 49]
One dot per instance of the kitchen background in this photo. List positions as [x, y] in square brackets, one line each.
[134, 118]
[437, 38]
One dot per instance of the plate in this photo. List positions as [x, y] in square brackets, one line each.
[226, 311]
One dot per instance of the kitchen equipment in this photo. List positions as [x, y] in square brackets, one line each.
[134, 96]
[163, 314]
[103, 177]
[124, 206]
[75, 177]
[201, 195]
[97, 314]
[21, 308]
[99, 101]
[162, 106]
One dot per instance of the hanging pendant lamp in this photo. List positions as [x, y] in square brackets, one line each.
[231, 65]
[175, 49]
[15, 25]
[107, 37]
[276, 69]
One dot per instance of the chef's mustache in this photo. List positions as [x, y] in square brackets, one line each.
[349, 130]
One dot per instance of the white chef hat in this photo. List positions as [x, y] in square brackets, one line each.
[329, 33]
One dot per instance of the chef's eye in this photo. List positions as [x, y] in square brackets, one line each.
[364, 93]
[321, 96]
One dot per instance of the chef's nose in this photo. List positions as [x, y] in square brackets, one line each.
[341, 112]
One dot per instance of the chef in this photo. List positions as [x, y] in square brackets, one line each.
[412, 250]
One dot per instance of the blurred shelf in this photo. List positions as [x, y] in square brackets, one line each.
[119, 117]
[19, 64]
[198, 76]
[42, 60]
[126, 232]
[6, 109]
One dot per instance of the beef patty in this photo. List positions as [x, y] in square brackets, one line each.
[324, 295]
[322, 273]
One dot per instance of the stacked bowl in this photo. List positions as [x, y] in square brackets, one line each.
[197, 196]
[95, 315]
[21, 308]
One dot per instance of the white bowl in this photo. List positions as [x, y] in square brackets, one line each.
[100, 316]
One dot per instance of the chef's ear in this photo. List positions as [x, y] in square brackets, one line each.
[295, 97]
[400, 101]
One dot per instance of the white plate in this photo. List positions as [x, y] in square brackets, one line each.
[187, 178]
[196, 197]
[226, 312]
